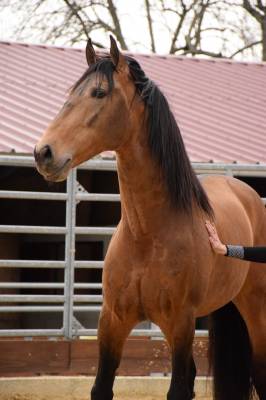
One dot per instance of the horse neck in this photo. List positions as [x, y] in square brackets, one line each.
[144, 199]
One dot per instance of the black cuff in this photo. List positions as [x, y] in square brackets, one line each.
[235, 251]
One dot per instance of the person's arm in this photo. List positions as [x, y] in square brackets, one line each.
[255, 254]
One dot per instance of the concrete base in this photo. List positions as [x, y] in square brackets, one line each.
[78, 388]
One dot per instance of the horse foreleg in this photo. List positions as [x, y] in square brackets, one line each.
[180, 339]
[183, 377]
[112, 333]
[192, 376]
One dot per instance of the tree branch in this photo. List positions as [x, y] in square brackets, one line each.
[248, 46]
[118, 31]
[147, 4]
[74, 8]
[193, 23]
[199, 22]
[261, 6]
[177, 31]
[253, 11]
[203, 52]
[191, 49]
[103, 24]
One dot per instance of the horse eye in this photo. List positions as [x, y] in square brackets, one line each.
[98, 93]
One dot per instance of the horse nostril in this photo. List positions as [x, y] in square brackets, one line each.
[46, 154]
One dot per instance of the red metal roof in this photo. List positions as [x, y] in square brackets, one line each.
[220, 105]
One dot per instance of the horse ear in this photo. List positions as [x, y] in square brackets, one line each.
[117, 57]
[90, 53]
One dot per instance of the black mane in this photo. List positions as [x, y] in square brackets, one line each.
[165, 141]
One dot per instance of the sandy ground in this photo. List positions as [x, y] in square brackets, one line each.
[78, 388]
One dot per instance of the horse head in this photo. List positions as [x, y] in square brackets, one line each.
[94, 118]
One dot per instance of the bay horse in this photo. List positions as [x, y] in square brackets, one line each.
[159, 265]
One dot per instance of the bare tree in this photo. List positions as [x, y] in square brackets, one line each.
[257, 9]
[213, 28]
[150, 25]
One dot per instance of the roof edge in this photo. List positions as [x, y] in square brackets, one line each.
[130, 53]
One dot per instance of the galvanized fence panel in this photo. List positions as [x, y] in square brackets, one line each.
[69, 303]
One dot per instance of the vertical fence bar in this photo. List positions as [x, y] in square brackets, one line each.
[70, 253]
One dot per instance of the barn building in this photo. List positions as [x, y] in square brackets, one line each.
[219, 106]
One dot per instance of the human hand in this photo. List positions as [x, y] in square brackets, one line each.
[217, 245]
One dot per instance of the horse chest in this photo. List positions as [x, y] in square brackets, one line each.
[161, 292]
[145, 291]
[149, 281]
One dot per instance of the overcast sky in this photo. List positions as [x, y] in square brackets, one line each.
[131, 19]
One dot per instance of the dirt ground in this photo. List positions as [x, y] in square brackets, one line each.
[78, 388]
[19, 397]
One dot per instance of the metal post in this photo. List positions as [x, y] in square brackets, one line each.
[70, 253]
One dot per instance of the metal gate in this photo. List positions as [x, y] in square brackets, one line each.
[69, 302]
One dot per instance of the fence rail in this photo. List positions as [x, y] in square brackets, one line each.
[110, 165]
[48, 264]
[25, 195]
[46, 285]
[28, 298]
[69, 303]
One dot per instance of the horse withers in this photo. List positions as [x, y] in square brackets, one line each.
[159, 265]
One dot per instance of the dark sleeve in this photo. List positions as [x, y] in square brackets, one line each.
[257, 254]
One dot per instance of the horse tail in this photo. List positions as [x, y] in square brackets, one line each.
[230, 355]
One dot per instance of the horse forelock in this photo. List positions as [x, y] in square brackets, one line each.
[164, 137]
[103, 68]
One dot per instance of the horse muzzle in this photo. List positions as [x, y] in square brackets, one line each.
[52, 169]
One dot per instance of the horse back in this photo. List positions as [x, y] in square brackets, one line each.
[240, 218]
[238, 209]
